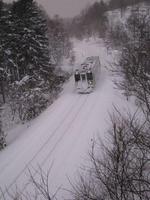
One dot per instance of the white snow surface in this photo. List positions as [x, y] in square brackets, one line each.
[60, 138]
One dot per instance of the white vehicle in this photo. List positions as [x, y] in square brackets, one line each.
[87, 75]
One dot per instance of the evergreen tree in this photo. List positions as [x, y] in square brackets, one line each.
[32, 61]
[33, 46]
[25, 64]
[5, 61]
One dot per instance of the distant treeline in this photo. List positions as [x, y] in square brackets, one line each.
[93, 21]
[115, 4]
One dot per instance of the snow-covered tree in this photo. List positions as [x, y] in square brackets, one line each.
[134, 60]
[32, 74]
[27, 78]
[33, 55]
[5, 61]
[59, 43]
[28, 98]
[91, 21]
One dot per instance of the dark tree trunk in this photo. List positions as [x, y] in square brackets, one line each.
[2, 91]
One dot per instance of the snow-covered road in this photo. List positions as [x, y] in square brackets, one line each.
[60, 137]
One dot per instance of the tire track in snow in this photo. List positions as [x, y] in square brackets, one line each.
[75, 133]
[3, 167]
[89, 103]
[43, 146]
[77, 142]
[69, 125]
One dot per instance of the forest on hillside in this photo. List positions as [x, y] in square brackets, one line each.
[28, 81]
[120, 171]
[93, 21]
[32, 45]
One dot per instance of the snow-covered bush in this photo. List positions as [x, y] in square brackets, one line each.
[32, 94]
[32, 103]
[28, 98]
[119, 169]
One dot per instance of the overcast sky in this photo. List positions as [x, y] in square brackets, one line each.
[64, 8]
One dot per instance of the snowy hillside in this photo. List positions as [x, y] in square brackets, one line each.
[115, 16]
[60, 137]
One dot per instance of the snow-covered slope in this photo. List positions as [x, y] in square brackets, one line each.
[117, 16]
[60, 137]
